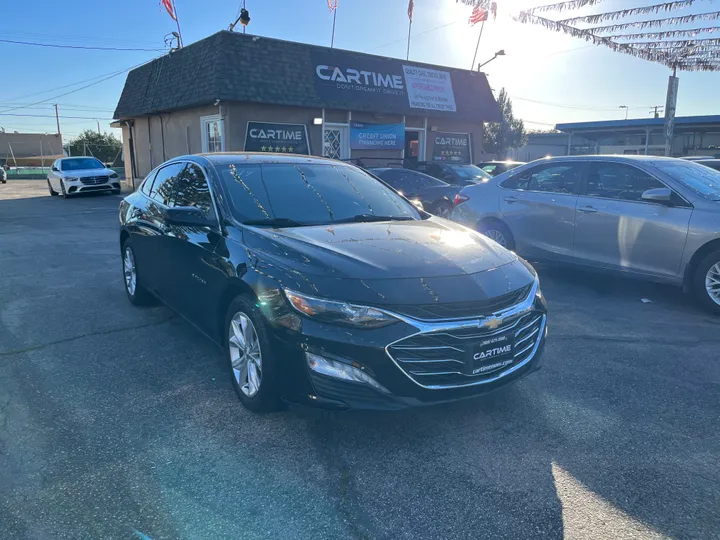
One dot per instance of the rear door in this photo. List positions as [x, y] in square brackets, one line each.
[615, 228]
[151, 226]
[539, 205]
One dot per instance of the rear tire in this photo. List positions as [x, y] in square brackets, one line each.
[706, 282]
[53, 193]
[136, 293]
[497, 231]
[251, 358]
[442, 209]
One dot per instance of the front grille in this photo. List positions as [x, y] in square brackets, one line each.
[440, 359]
[462, 310]
[94, 180]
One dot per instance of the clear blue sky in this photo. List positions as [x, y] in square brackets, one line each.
[588, 82]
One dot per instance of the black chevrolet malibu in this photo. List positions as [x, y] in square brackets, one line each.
[326, 287]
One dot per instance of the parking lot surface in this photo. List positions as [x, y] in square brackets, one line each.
[119, 422]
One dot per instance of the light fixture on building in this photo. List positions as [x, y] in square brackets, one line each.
[317, 121]
[244, 17]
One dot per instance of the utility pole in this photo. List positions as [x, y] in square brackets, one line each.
[656, 113]
[57, 118]
[98, 124]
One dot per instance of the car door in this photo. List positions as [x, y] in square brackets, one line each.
[150, 240]
[614, 227]
[539, 206]
[54, 177]
[193, 272]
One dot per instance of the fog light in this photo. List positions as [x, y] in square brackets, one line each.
[339, 370]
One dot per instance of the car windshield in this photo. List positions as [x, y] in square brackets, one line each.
[78, 164]
[469, 172]
[702, 180]
[288, 194]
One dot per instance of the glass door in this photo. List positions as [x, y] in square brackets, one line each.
[336, 141]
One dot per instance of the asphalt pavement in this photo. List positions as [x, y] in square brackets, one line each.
[119, 422]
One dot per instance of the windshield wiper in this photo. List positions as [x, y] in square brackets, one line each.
[366, 218]
[274, 222]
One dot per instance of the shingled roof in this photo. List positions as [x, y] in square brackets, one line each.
[242, 67]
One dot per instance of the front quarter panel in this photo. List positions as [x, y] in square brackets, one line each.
[704, 227]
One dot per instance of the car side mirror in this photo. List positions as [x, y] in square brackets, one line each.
[657, 195]
[188, 215]
[53, 168]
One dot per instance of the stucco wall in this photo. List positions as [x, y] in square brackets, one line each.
[178, 134]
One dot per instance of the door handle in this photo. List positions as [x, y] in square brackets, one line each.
[588, 209]
[510, 200]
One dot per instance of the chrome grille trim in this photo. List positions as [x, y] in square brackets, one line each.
[513, 315]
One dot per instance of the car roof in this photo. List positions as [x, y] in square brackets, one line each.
[609, 157]
[263, 157]
[505, 162]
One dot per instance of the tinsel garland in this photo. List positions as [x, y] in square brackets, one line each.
[577, 4]
[656, 23]
[690, 32]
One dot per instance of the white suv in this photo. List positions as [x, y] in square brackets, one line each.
[73, 175]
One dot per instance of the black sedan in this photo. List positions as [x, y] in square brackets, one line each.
[457, 174]
[436, 196]
[325, 287]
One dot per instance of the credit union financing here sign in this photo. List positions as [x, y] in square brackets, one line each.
[365, 136]
[282, 138]
[350, 82]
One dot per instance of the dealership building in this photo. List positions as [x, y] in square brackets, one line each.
[238, 92]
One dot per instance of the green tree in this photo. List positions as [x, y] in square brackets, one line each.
[103, 146]
[501, 136]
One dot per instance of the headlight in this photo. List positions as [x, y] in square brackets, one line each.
[69, 178]
[338, 312]
[114, 175]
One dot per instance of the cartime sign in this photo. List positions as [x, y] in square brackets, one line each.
[280, 138]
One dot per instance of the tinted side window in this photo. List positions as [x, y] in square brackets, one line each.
[619, 181]
[165, 183]
[549, 178]
[394, 178]
[415, 182]
[146, 187]
[193, 190]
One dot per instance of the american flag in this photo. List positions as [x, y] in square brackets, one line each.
[411, 7]
[168, 5]
[478, 15]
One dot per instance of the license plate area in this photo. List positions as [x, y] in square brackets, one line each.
[491, 354]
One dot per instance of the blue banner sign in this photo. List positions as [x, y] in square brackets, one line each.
[364, 136]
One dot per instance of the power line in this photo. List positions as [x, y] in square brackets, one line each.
[53, 116]
[115, 74]
[82, 47]
[565, 106]
[415, 35]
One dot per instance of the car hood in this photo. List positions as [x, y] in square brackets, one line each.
[402, 249]
[84, 173]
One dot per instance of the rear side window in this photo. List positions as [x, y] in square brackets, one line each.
[548, 178]
[163, 189]
[146, 187]
[619, 181]
[193, 190]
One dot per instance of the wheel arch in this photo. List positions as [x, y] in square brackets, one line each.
[699, 255]
[124, 235]
[233, 289]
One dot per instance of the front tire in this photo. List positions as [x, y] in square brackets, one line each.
[443, 210]
[251, 357]
[136, 293]
[706, 282]
[53, 193]
[62, 190]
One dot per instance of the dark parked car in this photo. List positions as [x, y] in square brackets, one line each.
[712, 163]
[493, 168]
[456, 174]
[436, 196]
[325, 287]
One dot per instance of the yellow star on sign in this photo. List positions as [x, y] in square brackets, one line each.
[277, 148]
[290, 149]
[263, 148]
[284, 148]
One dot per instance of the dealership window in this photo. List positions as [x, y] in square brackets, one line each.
[212, 133]
[336, 141]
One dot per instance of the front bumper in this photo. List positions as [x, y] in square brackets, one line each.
[371, 352]
[85, 186]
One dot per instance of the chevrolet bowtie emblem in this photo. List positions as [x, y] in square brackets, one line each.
[491, 324]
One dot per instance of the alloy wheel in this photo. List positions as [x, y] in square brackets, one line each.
[712, 283]
[443, 211]
[497, 236]
[129, 271]
[245, 354]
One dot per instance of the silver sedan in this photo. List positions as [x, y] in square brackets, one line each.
[81, 174]
[656, 218]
